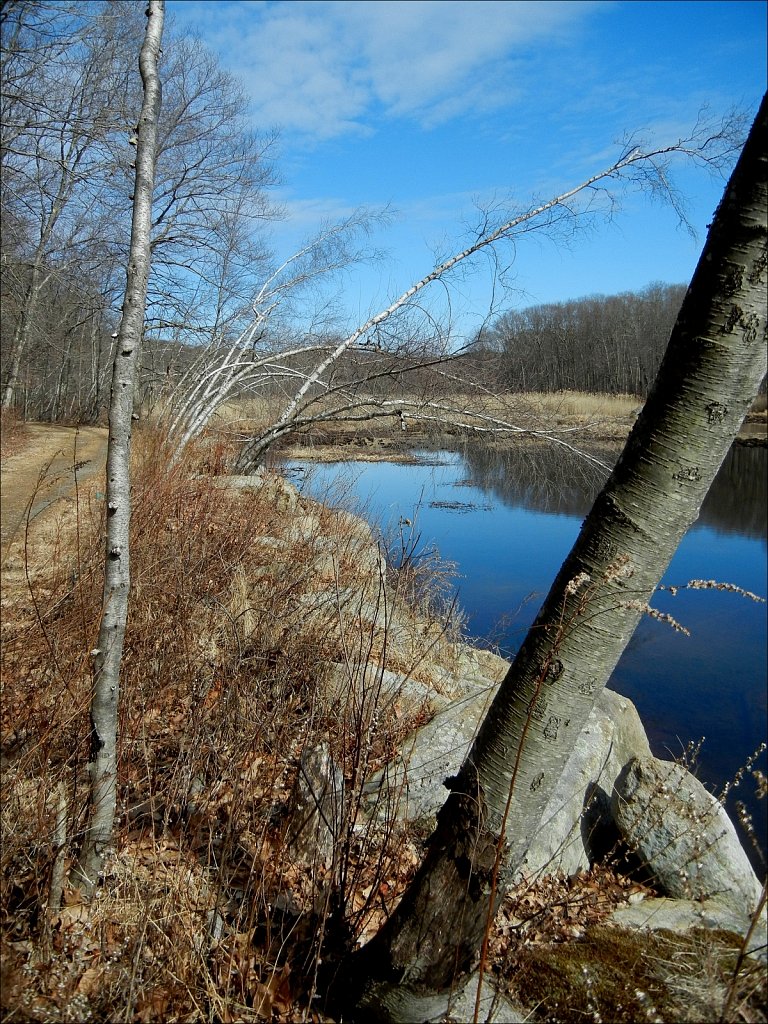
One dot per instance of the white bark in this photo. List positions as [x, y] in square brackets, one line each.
[715, 362]
[108, 653]
[636, 164]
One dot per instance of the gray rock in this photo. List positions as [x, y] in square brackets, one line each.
[303, 528]
[577, 827]
[412, 787]
[355, 527]
[251, 482]
[282, 493]
[315, 809]
[682, 833]
[368, 688]
[682, 915]
[451, 1007]
[495, 1007]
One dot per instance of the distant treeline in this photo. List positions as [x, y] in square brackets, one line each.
[602, 343]
[549, 479]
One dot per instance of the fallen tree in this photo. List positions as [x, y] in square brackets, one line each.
[313, 374]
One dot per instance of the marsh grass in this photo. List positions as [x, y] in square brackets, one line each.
[609, 415]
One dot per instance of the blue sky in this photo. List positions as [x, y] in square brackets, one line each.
[432, 106]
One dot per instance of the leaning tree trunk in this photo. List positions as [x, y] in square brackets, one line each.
[713, 367]
[108, 652]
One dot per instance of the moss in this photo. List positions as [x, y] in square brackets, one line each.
[626, 976]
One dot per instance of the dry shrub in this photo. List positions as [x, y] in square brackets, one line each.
[12, 433]
[240, 601]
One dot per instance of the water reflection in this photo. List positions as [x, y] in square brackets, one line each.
[551, 480]
[508, 521]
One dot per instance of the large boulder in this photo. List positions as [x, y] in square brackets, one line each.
[361, 691]
[577, 827]
[275, 487]
[682, 834]
[411, 786]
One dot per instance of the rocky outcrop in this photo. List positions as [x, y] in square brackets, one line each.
[577, 827]
[681, 915]
[612, 790]
[283, 494]
[682, 834]
[411, 786]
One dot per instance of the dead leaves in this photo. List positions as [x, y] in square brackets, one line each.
[559, 909]
[245, 979]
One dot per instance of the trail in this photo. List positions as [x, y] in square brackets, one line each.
[43, 471]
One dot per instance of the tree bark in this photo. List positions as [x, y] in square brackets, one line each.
[713, 367]
[108, 653]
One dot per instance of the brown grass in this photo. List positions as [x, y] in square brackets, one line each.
[602, 417]
[240, 601]
[12, 433]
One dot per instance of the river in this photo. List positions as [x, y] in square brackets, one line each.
[508, 520]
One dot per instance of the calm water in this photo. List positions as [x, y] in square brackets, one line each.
[508, 522]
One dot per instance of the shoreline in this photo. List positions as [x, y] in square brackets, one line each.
[371, 447]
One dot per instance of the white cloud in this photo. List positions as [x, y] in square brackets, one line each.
[325, 68]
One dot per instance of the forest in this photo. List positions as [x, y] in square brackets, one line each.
[68, 119]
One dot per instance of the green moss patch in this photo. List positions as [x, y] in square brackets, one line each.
[616, 975]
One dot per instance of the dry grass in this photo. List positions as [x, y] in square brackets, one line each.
[12, 433]
[241, 600]
[579, 406]
[604, 417]
[243, 603]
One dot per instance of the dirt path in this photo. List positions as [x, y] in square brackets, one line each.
[44, 470]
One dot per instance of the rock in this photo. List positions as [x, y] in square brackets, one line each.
[276, 488]
[411, 786]
[683, 915]
[495, 1007]
[314, 815]
[303, 528]
[251, 482]
[455, 1007]
[577, 828]
[355, 527]
[682, 833]
[364, 689]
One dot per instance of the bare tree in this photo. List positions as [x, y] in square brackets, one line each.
[319, 393]
[714, 364]
[69, 113]
[600, 343]
[59, 115]
[210, 206]
[107, 655]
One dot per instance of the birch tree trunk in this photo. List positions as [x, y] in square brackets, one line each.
[714, 364]
[108, 653]
[21, 338]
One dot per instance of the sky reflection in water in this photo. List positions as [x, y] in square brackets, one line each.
[508, 546]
